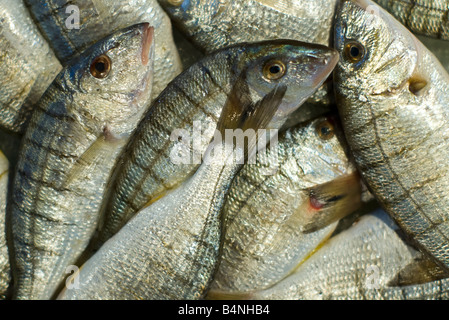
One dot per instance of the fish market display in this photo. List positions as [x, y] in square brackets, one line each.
[155, 161]
[73, 25]
[70, 146]
[27, 65]
[393, 98]
[358, 264]
[273, 221]
[178, 236]
[4, 258]
[428, 17]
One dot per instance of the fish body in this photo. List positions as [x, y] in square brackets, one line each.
[169, 142]
[5, 276]
[67, 153]
[27, 65]
[393, 98]
[273, 221]
[358, 264]
[99, 18]
[427, 17]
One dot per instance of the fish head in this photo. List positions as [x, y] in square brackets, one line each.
[301, 68]
[113, 79]
[378, 55]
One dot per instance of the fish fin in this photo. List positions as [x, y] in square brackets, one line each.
[96, 154]
[331, 201]
[421, 270]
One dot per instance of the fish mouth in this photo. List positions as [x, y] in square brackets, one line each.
[328, 60]
[147, 42]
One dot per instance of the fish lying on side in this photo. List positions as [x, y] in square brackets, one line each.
[27, 65]
[170, 249]
[167, 146]
[215, 24]
[70, 146]
[360, 263]
[99, 18]
[427, 17]
[5, 276]
[393, 98]
[272, 222]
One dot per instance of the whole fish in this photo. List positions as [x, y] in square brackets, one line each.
[272, 222]
[5, 276]
[73, 25]
[360, 263]
[161, 155]
[70, 146]
[27, 65]
[393, 98]
[170, 249]
[427, 17]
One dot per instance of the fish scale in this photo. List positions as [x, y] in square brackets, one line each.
[67, 152]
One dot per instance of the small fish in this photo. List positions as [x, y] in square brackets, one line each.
[427, 17]
[393, 98]
[70, 146]
[5, 276]
[57, 19]
[159, 157]
[359, 263]
[27, 65]
[170, 249]
[274, 221]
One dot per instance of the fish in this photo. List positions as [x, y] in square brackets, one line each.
[393, 98]
[215, 24]
[167, 146]
[440, 48]
[426, 17]
[5, 276]
[170, 249]
[274, 221]
[27, 64]
[67, 153]
[360, 263]
[73, 25]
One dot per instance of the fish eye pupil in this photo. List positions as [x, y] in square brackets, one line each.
[275, 69]
[100, 66]
[355, 52]
[325, 131]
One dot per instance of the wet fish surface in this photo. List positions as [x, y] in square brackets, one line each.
[278, 210]
[427, 17]
[155, 162]
[27, 65]
[358, 264]
[393, 98]
[98, 19]
[77, 131]
[5, 276]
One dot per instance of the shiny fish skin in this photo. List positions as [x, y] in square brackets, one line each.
[174, 244]
[99, 18]
[67, 153]
[27, 65]
[267, 218]
[394, 108]
[427, 17]
[368, 253]
[199, 94]
[5, 276]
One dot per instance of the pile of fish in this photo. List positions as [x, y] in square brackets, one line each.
[118, 180]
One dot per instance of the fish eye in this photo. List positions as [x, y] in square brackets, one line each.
[176, 3]
[325, 130]
[100, 67]
[274, 70]
[354, 51]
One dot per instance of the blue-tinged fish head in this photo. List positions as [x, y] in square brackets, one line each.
[193, 16]
[378, 55]
[112, 80]
[299, 67]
